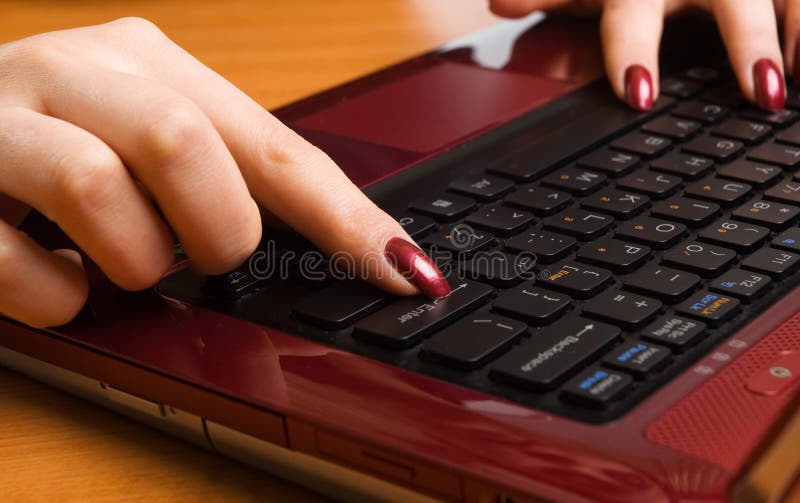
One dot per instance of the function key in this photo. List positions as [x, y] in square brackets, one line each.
[642, 144]
[711, 308]
[574, 180]
[748, 132]
[534, 305]
[718, 190]
[703, 259]
[673, 127]
[779, 119]
[596, 387]
[416, 225]
[609, 161]
[786, 192]
[445, 208]
[340, 305]
[500, 220]
[706, 113]
[656, 233]
[460, 240]
[776, 263]
[776, 216]
[789, 135]
[499, 269]
[613, 254]
[472, 341]
[750, 172]
[742, 237]
[547, 246]
[683, 165]
[554, 353]
[638, 358]
[628, 310]
[407, 320]
[744, 285]
[583, 225]
[541, 200]
[621, 205]
[577, 280]
[675, 332]
[482, 187]
[719, 149]
[785, 156]
[669, 285]
[654, 184]
[679, 88]
[691, 212]
[788, 240]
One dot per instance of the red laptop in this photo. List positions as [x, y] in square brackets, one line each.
[623, 324]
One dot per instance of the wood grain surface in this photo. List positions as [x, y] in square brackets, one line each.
[57, 448]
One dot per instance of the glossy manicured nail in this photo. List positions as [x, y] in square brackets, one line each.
[768, 85]
[416, 267]
[638, 87]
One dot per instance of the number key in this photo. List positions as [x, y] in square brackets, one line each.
[776, 216]
[627, 310]
[742, 237]
[703, 259]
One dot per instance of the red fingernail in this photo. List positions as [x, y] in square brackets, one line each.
[638, 87]
[416, 267]
[768, 85]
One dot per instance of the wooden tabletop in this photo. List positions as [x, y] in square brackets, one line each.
[57, 448]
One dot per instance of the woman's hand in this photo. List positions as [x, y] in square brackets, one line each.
[100, 125]
[631, 32]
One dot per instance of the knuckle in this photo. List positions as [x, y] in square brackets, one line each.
[175, 133]
[39, 51]
[285, 147]
[138, 26]
[85, 181]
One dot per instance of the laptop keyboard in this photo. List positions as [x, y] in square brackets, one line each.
[609, 275]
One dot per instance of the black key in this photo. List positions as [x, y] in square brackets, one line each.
[691, 212]
[719, 149]
[613, 254]
[645, 145]
[575, 180]
[416, 225]
[704, 259]
[482, 187]
[703, 74]
[547, 246]
[788, 240]
[534, 305]
[792, 97]
[499, 269]
[609, 161]
[445, 208]
[500, 220]
[554, 353]
[726, 95]
[742, 237]
[776, 216]
[541, 200]
[744, 285]
[340, 305]
[683, 165]
[718, 190]
[781, 118]
[785, 156]
[577, 280]
[472, 341]
[621, 205]
[407, 320]
[638, 358]
[706, 113]
[750, 172]
[233, 285]
[789, 135]
[786, 192]
[776, 263]
[675, 332]
[673, 127]
[745, 131]
[656, 233]
[669, 285]
[654, 184]
[581, 224]
[628, 310]
[679, 88]
[458, 241]
[596, 387]
[708, 307]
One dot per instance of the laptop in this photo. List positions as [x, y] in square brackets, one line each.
[623, 324]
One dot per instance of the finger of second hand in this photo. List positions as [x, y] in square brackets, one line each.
[791, 34]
